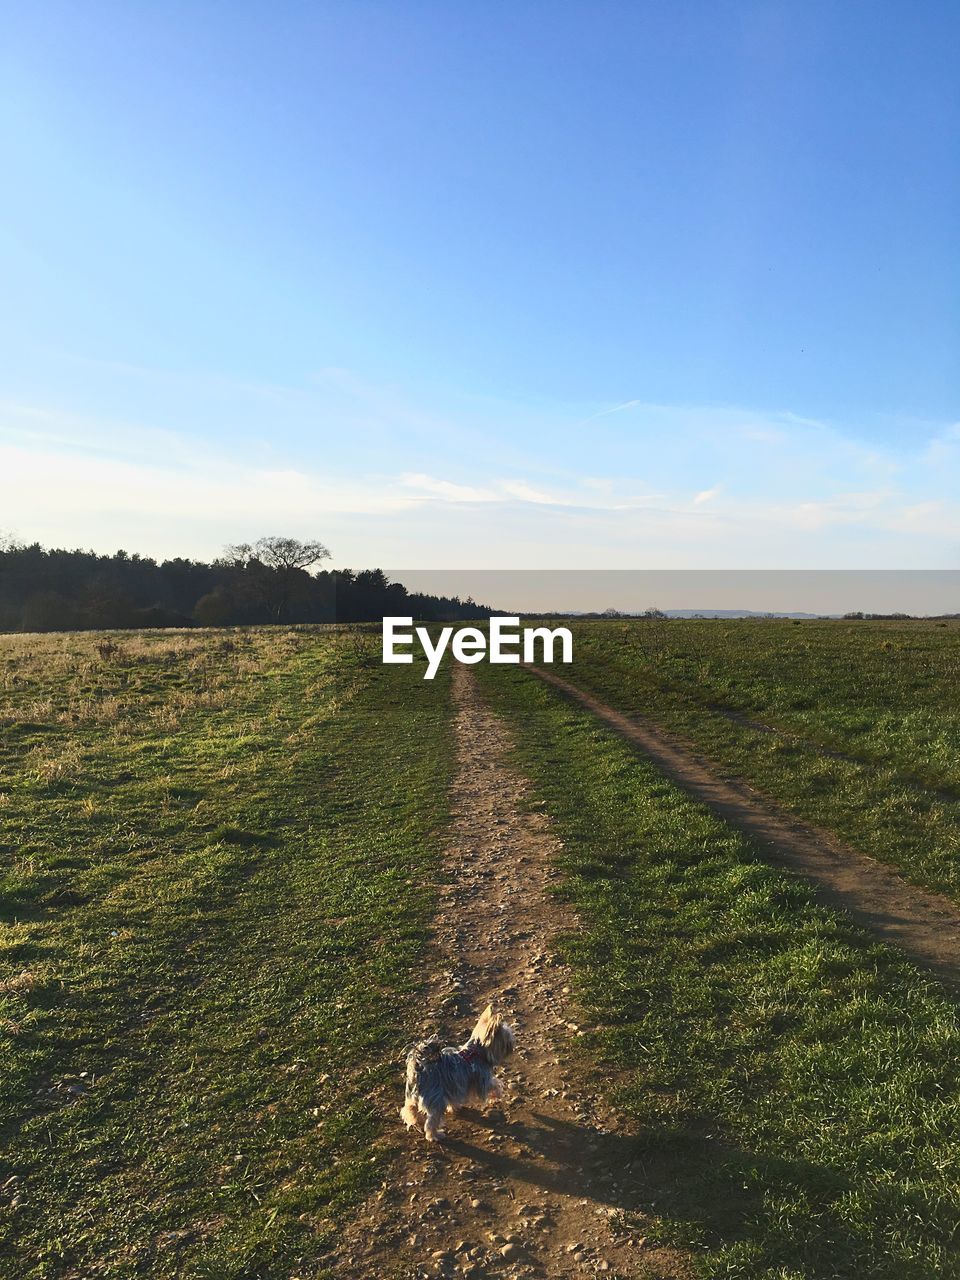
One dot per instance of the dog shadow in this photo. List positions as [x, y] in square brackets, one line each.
[556, 1155]
[708, 1188]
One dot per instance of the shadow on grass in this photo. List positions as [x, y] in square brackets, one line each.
[679, 1188]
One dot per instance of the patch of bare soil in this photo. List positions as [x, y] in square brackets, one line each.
[546, 1183]
[925, 925]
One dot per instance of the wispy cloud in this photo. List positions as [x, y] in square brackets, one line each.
[944, 447]
[527, 493]
[764, 435]
[446, 490]
[605, 413]
[618, 408]
[813, 496]
[705, 495]
[41, 481]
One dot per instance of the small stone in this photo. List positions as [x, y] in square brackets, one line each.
[510, 1251]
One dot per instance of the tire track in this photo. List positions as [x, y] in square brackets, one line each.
[925, 925]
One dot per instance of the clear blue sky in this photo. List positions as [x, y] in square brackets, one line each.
[627, 284]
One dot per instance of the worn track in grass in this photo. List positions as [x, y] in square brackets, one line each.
[532, 1187]
[924, 925]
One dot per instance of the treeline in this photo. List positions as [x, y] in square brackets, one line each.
[859, 616]
[58, 590]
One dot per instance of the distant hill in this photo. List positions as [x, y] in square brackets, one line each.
[741, 613]
[685, 613]
[613, 614]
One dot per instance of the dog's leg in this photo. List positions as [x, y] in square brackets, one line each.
[495, 1092]
[433, 1130]
[411, 1116]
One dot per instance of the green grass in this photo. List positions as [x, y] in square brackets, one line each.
[218, 855]
[854, 726]
[795, 1084]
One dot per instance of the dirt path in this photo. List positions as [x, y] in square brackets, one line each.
[535, 1186]
[925, 925]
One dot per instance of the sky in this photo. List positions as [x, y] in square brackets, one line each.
[514, 285]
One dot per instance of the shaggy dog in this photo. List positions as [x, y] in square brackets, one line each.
[441, 1079]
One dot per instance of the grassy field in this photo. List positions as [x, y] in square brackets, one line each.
[799, 1081]
[854, 726]
[217, 850]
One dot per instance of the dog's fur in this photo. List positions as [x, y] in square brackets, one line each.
[441, 1079]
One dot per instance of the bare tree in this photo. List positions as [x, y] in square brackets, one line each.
[281, 553]
[274, 567]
